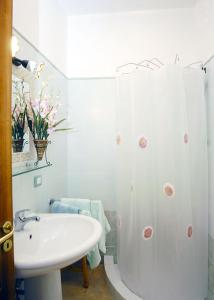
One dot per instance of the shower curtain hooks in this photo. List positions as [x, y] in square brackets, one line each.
[148, 62]
[177, 59]
[157, 60]
[134, 64]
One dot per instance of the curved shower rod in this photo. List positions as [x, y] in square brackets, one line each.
[177, 59]
[209, 60]
[203, 64]
[148, 62]
[195, 63]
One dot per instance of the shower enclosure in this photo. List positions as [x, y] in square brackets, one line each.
[162, 183]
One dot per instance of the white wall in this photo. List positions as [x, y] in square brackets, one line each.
[93, 45]
[204, 24]
[99, 43]
[53, 33]
[26, 19]
[91, 148]
[44, 24]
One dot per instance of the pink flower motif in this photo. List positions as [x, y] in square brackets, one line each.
[169, 190]
[143, 142]
[118, 139]
[186, 138]
[147, 232]
[189, 231]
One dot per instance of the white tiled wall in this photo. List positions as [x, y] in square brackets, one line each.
[91, 147]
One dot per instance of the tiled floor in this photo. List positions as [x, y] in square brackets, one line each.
[98, 287]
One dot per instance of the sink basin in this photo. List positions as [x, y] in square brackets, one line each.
[54, 242]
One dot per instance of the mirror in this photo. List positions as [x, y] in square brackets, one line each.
[32, 69]
[24, 76]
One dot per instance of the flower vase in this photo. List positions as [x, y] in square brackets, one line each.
[18, 145]
[41, 146]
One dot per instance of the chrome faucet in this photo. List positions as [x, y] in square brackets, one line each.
[20, 220]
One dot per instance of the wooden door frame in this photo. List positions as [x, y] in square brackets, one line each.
[6, 210]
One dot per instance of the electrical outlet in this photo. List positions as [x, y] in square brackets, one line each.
[37, 180]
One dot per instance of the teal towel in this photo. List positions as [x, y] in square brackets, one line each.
[59, 207]
[93, 208]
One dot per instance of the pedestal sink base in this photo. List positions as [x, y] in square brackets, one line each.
[45, 287]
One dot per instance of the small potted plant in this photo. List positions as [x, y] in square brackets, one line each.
[41, 117]
[19, 111]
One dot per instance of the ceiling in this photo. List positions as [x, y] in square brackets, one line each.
[83, 7]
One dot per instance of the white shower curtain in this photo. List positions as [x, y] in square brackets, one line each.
[162, 183]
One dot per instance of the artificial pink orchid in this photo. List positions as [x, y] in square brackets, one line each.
[41, 116]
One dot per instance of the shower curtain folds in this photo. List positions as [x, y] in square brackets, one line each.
[162, 186]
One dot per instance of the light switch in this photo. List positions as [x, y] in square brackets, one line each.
[37, 180]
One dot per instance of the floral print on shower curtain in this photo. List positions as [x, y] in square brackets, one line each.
[162, 183]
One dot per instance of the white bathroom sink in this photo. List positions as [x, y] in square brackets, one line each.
[54, 242]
